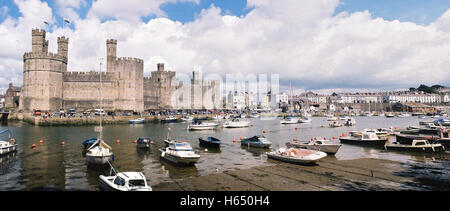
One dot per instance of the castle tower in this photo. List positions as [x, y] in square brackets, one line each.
[160, 67]
[63, 46]
[42, 76]
[40, 45]
[111, 54]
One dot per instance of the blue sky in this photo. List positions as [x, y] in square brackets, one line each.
[417, 11]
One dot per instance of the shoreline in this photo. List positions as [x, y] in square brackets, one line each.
[365, 174]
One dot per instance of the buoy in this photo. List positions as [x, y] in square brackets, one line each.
[33, 146]
[63, 143]
[264, 131]
[295, 139]
[242, 138]
[118, 141]
[323, 126]
[151, 142]
[206, 150]
[135, 141]
[343, 135]
[334, 137]
[234, 141]
[312, 139]
[41, 142]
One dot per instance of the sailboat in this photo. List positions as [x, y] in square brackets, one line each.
[99, 153]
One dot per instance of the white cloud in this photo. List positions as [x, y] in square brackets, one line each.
[300, 40]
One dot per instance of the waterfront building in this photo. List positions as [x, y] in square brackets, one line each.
[405, 97]
[12, 96]
[313, 98]
[349, 98]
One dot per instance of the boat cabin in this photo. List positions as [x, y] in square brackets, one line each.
[179, 147]
[369, 136]
[130, 180]
[445, 134]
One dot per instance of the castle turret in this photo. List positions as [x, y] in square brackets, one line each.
[43, 74]
[38, 41]
[160, 67]
[63, 46]
[111, 53]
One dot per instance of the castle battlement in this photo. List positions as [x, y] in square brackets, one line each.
[111, 41]
[63, 39]
[92, 76]
[130, 59]
[44, 55]
[38, 32]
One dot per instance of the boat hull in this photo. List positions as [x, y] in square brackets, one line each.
[143, 145]
[196, 127]
[293, 160]
[180, 160]
[257, 145]
[371, 143]
[99, 160]
[208, 143]
[9, 149]
[409, 148]
[329, 149]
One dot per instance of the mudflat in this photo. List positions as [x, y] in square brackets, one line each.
[329, 174]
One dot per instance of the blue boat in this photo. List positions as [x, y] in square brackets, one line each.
[89, 142]
[143, 142]
[210, 142]
[256, 141]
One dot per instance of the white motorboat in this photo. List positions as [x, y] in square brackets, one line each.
[305, 120]
[7, 146]
[336, 124]
[389, 115]
[296, 156]
[236, 123]
[179, 153]
[99, 154]
[137, 121]
[289, 120]
[187, 119]
[350, 122]
[123, 181]
[320, 144]
[331, 118]
[199, 125]
[255, 115]
[169, 119]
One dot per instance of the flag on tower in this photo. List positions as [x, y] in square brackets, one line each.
[46, 22]
[66, 20]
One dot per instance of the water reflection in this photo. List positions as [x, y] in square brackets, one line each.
[51, 166]
[6, 162]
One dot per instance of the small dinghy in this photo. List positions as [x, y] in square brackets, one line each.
[296, 156]
[123, 181]
[9, 145]
[256, 141]
[137, 121]
[209, 142]
[415, 146]
[305, 120]
[320, 144]
[169, 119]
[336, 124]
[89, 142]
[143, 143]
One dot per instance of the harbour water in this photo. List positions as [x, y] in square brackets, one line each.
[52, 166]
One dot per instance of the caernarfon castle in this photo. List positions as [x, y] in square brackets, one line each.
[48, 85]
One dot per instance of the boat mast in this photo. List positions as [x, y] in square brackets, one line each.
[101, 100]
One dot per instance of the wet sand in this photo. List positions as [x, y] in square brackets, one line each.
[327, 175]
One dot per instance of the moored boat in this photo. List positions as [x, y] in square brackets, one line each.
[143, 143]
[169, 119]
[137, 121]
[123, 181]
[209, 142]
[99, 154]
[415, 146]
[199, 125]
[366, 139]
[236, 123]
[350, 122]
[256, 141]
[9, 145]
[320, 144]
[289, 120]
[296, 156]
[179, 153]
[336, 124]
[304, 120]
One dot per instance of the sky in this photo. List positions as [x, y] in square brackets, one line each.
[324, 45]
